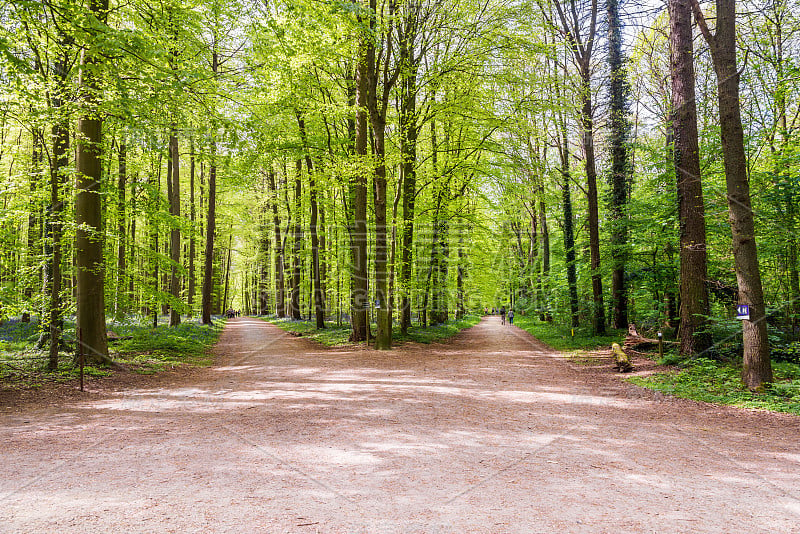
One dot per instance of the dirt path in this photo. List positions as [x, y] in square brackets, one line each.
[488, 433]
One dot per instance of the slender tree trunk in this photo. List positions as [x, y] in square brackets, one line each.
[569, 232]
[319, 304]
[620, 164]
[155, 252]
[225, 304]
[280, 297]
[192, 236]
[132, 301]
[672, 289]
[409, 132]
[587, 123]
[383, 337]
[261, 286]
[175, 233]
[694, 337]
[581, 37]
[53, 249]
[783, 157]
[91, 316]
[323, 252]
[461, 275]
[122, 231]
[297, 233]
[359, 286]
[545, 232]
[211, 217]
[757, 369]
[33, 236]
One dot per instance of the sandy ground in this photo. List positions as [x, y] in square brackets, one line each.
[490, 432]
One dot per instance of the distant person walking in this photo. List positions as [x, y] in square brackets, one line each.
[502, 315]
[510, 316]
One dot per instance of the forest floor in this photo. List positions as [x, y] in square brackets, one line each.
[489, 432]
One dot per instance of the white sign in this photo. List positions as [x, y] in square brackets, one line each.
[743, 312]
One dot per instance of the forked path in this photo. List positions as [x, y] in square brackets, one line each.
[490, 432]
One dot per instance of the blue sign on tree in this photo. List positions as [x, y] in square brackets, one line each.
[743, 312]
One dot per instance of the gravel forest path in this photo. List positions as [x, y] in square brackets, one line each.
[490, 432]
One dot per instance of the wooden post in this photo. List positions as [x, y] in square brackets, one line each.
[660, 346]
[80, 354]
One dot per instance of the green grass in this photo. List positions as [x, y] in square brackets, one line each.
[437, 332]
[151, 350]
[334, 335]
[720, 383]
[567, 339]
[330, 336]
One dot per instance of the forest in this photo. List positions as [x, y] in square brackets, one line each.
[389, 163]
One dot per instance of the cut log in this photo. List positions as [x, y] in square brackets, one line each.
[621, 361]
[634, 341]
[112, 337]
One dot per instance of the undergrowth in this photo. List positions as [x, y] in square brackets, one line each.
[720, 383]
[146, 350]
[150, 350]
[333, 335]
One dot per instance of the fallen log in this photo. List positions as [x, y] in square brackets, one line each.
[634, 341]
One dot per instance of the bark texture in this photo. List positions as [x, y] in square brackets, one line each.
[694, 338]
[91, 315]
[757, 368]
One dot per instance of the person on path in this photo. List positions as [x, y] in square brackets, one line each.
[502, 315]
[510, 316]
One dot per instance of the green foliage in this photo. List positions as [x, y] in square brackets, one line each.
[786, 352]
[562, 337]
[711, 381]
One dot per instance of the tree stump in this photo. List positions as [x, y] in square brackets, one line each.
[622, 362]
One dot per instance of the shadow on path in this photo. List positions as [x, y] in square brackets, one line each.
[489, 432]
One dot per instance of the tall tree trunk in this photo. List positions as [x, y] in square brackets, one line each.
[581, 37]
[409, 132]
[587, 123]
[323, 252]
[461, 275]
[175, 233]
[120, 305]
[192, 289]
[154, 202]
[297, 233]
[261, 286]
[757, 369]
[620, 164]
[319, 304]
[225, 304]
[91, 315]
[53, 248]
[211, 217]
[694, 336]
[132, 301]
[569, 232]
[672, 289]
[545, 232]
[280, 297]
[383, 312]
[33, 237]
[781, 153]
[359, 282]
